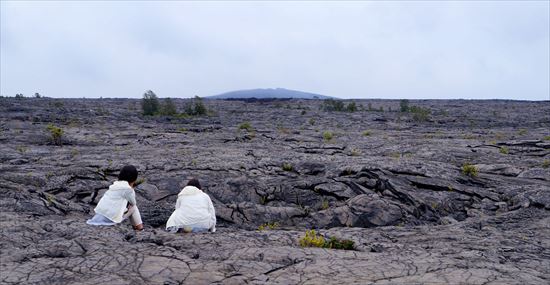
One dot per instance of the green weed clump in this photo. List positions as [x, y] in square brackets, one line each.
[287, 166]
[469, 170]
[312, 239]
[366, 133]
[327, 136]
[504, 150]
[55, 133]
[268, 226]
[245, 126]
[546, 163]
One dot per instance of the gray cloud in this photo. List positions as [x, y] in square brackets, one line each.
[428, 49]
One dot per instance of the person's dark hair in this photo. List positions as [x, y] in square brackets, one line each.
[128, 173]
[194, 182]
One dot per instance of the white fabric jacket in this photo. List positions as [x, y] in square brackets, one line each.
[193, 208]
[113, 203]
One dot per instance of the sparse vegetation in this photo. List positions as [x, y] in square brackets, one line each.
[504, 150]
[404, 105]
[522, 132]
[196, 107]
[21, 149]
[287, 166]
[168, 108]
[312, 239]
[246, 126]
[327, 136]
[311, 121]
[56, 134]
[366, 133]
[150, 103]
[331, 105]
[420, 114]
[139, 181]
[268, 226]
[545, 163]
[470, 170]
[324, 204]
[546, 138]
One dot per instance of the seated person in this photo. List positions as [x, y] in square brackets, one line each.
[194, 211]
[119, 202]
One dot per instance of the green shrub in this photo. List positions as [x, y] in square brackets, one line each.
[469, 170]
[546, 163]
[546, 138]
[312, 121]
[196, 107]
[504, 150]
[56, 134]
[312, 239]
[327, 136]
[366, 133]
[331, 105]
[150, 103]
[245, 126]
[168, 108]
[404, 105]
[420, 114]
[351, 107]
[287, 166]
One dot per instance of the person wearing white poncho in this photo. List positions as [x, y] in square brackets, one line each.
[194, 210]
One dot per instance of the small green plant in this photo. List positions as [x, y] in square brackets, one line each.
[268, 226]
[312, 121]
[546, 138]
[312, 239]
[139, 181]
[56, 133]
[287, 166]
[355, 152]
[504, 150]
[327, 136]
[366, 133]
[545, 163]
[324, 204]
[522, 132]
[21, 149]
[50, 198]
[469, 170]
[245, 126]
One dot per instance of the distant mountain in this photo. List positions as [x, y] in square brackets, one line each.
[270, 93]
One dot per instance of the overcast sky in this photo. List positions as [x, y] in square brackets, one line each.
[461, 49]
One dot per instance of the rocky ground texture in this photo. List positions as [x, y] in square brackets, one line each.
[389, 181]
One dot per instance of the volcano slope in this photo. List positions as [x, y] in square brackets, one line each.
[392, 182]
